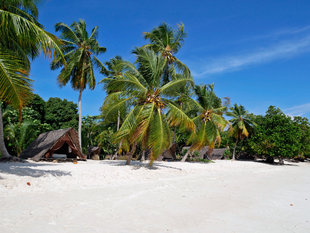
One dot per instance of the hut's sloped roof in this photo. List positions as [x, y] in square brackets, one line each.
[217, 153]
[203, 152]
[46, 141]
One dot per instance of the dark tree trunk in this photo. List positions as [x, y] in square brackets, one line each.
[130, 154]
[3, 150]
[269, 159]
[80, 118]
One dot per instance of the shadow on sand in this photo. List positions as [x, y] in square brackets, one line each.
[286, 163]
[29, 169]
[135, 165]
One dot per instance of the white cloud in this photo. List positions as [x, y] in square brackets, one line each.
[281, 50]
[279, 33]
[298, 110]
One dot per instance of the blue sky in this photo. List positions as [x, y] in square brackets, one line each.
[257, 52]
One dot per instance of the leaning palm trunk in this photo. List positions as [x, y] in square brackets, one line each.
[116, 152]
[130, 154]
[3, 150]
[234, 151]
[186, 155]
[80, 119]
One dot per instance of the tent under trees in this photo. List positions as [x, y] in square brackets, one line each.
[58, 142]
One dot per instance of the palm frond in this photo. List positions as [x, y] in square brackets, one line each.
[177, 117]
[15, 86]
[27, 30]
[173, 87]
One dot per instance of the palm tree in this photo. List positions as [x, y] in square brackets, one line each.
[80, 49]
[241, 124]
[167, 41]
[21, 36]
[209, 120]
[147, 122]
[114, 69]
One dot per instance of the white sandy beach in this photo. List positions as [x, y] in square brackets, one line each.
[105, 196]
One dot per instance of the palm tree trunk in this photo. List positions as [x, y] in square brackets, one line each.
[234, 151]
[174, 135]
[185, 156]
[118, 120]
[133, 149]
[116, 152]
[80, 118]
[117, 128]
[3, 150]
[143, 156]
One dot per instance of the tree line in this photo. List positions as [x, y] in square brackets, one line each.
[151, 104]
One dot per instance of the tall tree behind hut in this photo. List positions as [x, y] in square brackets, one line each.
[80, 51]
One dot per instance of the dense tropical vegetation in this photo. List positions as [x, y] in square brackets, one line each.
[22, 38]
[152, 104]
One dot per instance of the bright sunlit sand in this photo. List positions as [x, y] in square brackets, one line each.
[105, 196]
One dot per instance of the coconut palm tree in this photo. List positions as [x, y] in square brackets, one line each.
[21, 37]
[147, 122]
[209, 120]
[168, 41]
[241, 124]
[114, 69]
[80, 50]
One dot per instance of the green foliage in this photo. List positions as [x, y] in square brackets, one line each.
[202, 160]
[167, 41]
[80, 51]
[227, 154]
[115, 106]
[15, 86]
[92, 126]
[39, 106]
[241, 125]
[61, 113]
[21, 33]
[209, 118]
[22, 37]
[143, 89]
[276, 135]
[241, 122]
[207, 97]
[19, 135]
[304, 126]
[105, 141]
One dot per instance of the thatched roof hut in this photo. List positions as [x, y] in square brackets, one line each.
[205, 153]
[94, 152]
[48, 144]
[216, 154]
[168, 154]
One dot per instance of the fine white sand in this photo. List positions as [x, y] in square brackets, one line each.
[106, 196]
